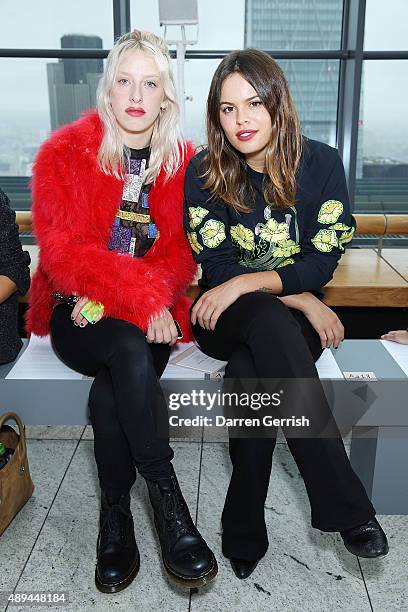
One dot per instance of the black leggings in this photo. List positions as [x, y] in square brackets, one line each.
[123, 397]
[261, 338]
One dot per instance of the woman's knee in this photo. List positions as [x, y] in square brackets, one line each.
[267, 314]
[129, 342]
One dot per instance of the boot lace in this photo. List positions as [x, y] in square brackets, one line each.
[114, 526]
[175, 513]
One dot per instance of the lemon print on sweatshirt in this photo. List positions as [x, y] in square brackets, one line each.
[330, 211]
[243, 236]
[340, 226]
[346, 237]
[213, 233]
[195, 245]
[286, 262]
[325, 240]
[196, 214]
[286, 248]
[272, 231]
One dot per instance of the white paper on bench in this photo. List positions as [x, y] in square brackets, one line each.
[40, 362]
[196, 360]
[327, 366]
[190, 357]
[399, 352]
[173, 370]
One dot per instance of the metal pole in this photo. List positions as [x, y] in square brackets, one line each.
[181, 52]
[121, 17]
[350, 88]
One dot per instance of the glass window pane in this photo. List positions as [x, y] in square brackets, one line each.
[37, 95]
[386, 25]
[314, 88]
[382, 160]
[221, 24]
[40, 25]
[298, 24]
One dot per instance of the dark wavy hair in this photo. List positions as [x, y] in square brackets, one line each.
[224, 168]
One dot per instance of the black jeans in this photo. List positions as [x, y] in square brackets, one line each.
[261, 338]
[125, 399]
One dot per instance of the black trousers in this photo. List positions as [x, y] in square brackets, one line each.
[125, 399]
[261, 338]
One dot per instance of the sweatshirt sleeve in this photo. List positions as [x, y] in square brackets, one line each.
[14, 262]
[328, 227]
[207, 226]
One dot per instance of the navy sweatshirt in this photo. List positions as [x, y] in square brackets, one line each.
[302, 244]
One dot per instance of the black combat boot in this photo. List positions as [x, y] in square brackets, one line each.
[118, 559]
[186, 557]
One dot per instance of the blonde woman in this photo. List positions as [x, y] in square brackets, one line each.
[267, 215]
[114, 263]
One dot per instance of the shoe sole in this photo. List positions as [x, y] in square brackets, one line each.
[373, 556]
[380, 556]
[118, 586]
[193, 583]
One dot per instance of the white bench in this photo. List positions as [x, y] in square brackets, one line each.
[43, 391]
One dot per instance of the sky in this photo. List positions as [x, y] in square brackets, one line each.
[24, 86]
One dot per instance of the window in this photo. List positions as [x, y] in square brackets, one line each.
[386, 25]
[382, 163]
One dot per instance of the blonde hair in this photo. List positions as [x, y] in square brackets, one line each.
[166, 146]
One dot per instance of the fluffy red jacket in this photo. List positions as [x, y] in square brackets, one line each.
[74, 206]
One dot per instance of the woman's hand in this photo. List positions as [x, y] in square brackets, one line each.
[77, 318]
[162, 329]
[213, 303]
[399, 335]
[324, 320]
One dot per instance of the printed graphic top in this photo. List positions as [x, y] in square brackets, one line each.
[133, 231]
[302, 244]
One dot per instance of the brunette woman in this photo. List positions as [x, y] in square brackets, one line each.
[267, 216]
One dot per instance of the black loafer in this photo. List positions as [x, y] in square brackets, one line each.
[368, 540]
[243, 568]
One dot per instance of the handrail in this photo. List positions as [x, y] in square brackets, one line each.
[381, 224]
[367, 224]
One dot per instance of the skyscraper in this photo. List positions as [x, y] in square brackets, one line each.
[72, 83]
[302, 24]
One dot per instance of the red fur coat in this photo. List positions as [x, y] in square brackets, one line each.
[74, 206]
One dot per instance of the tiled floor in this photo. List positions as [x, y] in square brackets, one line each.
[50, 546]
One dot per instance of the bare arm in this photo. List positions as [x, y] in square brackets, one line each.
[7, 288]
[324, 320]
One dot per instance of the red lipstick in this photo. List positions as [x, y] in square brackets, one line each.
[245, 134]
[135, 112]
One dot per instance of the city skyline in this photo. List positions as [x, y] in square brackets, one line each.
[25, 108]
[72, 83]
